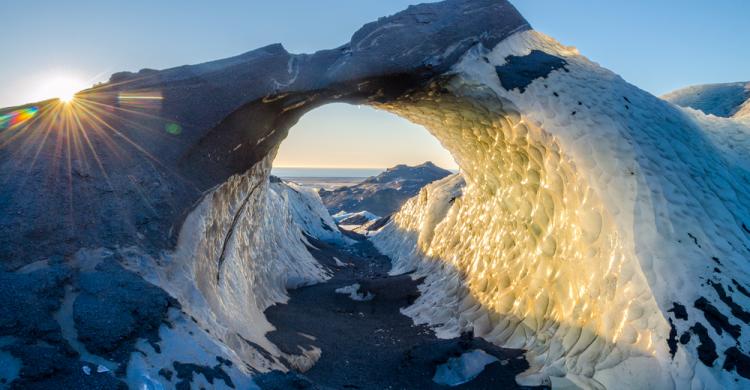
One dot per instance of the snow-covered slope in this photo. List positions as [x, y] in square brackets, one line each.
[725, 100]
[601, 228]
[308, 211]
[240, 250]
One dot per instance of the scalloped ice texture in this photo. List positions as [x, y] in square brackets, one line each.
[590, 207]
[724, 100]
[226, 286]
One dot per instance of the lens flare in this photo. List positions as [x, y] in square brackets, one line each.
[17, 117]
[150, 100]
[173, 128]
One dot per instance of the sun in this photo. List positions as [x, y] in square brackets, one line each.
[66, 97]
[62, 87]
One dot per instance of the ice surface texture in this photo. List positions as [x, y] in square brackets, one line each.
[591, 210]
[724, 100]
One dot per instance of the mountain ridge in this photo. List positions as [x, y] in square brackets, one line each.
[384, 193]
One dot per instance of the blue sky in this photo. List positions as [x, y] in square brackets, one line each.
[656, 45]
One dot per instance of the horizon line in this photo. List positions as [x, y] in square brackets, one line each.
[352, 167]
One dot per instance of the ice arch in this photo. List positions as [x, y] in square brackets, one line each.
[601, 228]
[562, 236]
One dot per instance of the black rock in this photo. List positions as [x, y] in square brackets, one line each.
[115, 307]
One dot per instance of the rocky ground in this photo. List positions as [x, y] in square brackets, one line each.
[65, 325]
[64, 321]
[369, 344]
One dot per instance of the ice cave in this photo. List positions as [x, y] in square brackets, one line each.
[598, 228]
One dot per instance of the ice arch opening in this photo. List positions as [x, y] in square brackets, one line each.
[506, 251]
[340, 135]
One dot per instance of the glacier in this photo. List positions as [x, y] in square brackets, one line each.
[603, 230]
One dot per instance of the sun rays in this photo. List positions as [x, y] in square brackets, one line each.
[58, 85]
[91, 136]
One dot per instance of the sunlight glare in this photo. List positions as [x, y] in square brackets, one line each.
[66, 97]
[63, 87]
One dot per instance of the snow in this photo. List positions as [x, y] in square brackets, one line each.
[724, 100]
[590, 208]
[144, 366]
[353, 292]
[463, 369]
[340, 263]
[343, 215]
[357, 222]
[64, 318]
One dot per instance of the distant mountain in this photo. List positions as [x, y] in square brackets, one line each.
[725, 100]
[358, 218]
[385, 193]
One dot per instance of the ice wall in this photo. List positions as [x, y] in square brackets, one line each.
[308, 211]
[239, 251]
[598, 224]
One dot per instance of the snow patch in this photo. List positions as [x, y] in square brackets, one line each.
[353, 292]
[64, 318]
[364, 215]
[340, 263]
[462, 369]
[202, 349]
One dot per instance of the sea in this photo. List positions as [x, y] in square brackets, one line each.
[326, 172]
[328, 178]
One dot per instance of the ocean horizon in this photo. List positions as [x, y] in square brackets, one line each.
[289, 172]
[325, 172]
